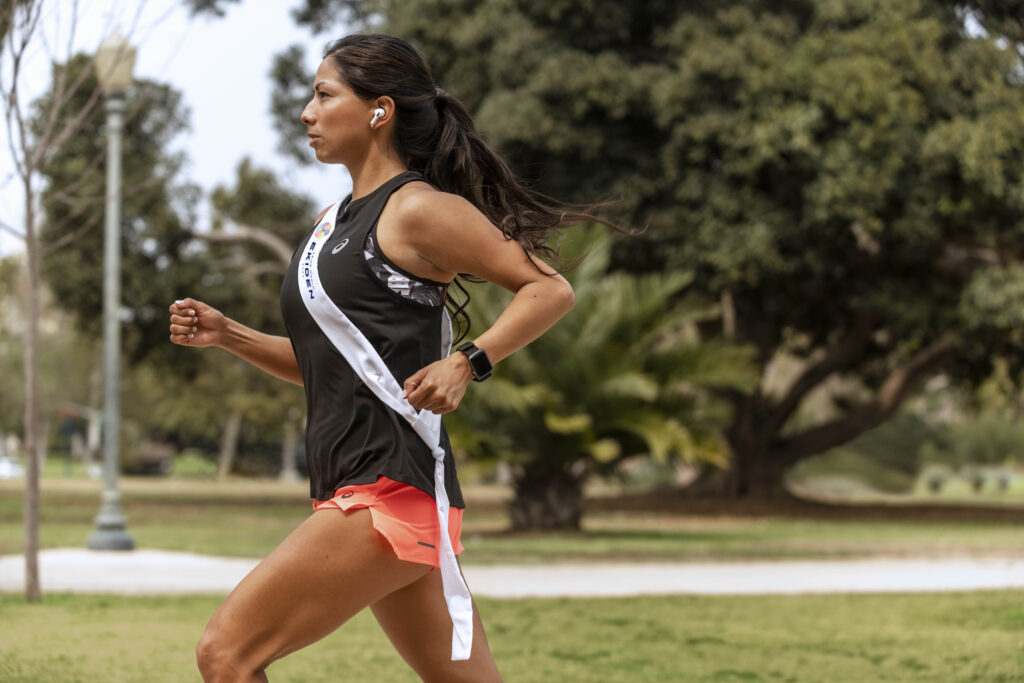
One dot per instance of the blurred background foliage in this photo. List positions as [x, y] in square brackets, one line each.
[828, 279]
[626, 374]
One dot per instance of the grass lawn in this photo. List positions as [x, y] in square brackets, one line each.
[855, 639]
[247, 519]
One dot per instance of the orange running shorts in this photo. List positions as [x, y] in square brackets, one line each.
[404, 515]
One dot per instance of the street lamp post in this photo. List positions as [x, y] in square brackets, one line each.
[114, 62]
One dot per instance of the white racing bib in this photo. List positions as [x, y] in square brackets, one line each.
[371, 369]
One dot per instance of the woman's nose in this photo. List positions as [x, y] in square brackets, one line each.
[307, 117]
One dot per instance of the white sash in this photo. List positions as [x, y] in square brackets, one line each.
[367, 363]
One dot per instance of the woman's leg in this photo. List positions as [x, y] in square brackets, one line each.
[416, 620]
[331, 567]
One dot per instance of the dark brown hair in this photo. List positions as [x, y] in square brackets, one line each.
[435, 135]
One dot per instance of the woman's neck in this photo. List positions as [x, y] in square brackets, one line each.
[374, 172]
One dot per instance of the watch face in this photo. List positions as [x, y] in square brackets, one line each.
[478, 361]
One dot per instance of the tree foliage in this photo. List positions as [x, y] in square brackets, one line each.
[290, 88]
[625, 373]
[170, 394]
[157, 212]
[214, 8]
[243, 279]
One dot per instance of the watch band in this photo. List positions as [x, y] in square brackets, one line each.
[479, 363]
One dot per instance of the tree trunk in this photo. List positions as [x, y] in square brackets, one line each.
[762, 452]
[229, 444]
[547, 496]
[755, 472]
[750, 476]
[33, 592]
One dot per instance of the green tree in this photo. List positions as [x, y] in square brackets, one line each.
[624, 374]
[157, 212]
[171, 394]
[839, 175]
[205, 397]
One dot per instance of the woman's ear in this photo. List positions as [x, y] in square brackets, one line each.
[385, 104]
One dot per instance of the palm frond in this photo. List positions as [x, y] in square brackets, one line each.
[630, 385]
[579, 423]
[715, 363]
[663, 436]
[501, 394]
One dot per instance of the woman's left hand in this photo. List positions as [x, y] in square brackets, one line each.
[440, 386]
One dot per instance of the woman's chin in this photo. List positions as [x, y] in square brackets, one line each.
[324, 158]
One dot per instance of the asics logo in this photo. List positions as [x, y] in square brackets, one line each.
[340, 246]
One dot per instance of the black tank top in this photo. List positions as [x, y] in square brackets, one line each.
[351, 436]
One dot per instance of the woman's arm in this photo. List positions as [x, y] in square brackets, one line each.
[194, 323]
[454, 237]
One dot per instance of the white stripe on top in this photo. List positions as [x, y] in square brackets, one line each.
[371, 369]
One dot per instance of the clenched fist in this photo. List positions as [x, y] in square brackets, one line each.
[194, 323]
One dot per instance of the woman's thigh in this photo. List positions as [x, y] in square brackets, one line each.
[416, 620]
[331, 567]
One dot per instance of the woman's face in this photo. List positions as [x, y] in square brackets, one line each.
[337, 120]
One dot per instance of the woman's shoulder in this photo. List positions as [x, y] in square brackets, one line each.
[419, 205]
[419, 194]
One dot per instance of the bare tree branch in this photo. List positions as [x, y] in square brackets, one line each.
[265, 268]
[247, 233]
[900, 383]
[62, 92]
[46, 143]
[837, 358]
[70, 237]
[23, 29]
[11, 229]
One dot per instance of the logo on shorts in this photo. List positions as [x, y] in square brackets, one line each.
[347, 494]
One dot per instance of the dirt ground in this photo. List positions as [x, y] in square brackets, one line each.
[676, 502]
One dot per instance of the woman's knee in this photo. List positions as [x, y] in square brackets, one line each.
[219, 659]
[210, 656]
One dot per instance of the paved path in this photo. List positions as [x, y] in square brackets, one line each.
[157, 572]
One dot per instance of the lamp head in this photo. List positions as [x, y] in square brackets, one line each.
[114, 62]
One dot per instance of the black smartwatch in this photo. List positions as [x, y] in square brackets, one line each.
[479, 363]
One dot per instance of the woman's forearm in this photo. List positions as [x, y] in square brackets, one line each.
[536, 306]
[269, 353]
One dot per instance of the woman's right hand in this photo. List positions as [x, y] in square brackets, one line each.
[194, 323]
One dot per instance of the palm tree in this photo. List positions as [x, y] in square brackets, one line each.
[624, 374]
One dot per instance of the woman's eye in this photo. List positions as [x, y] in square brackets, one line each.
[321, 94]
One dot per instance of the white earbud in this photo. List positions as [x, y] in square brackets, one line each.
[377, 113]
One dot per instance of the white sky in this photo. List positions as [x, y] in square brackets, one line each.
[221, 66]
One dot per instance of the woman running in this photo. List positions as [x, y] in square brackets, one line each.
[369, 338]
